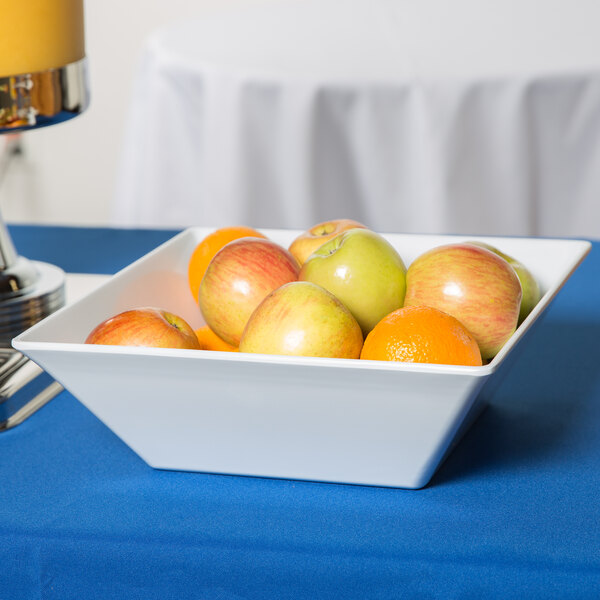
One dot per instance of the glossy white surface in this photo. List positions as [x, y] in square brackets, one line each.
[78, 285]
[338, 420]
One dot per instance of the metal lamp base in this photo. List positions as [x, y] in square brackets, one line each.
[31, 290]
[43, 297]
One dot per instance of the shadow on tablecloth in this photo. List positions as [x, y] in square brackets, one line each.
[545, 409]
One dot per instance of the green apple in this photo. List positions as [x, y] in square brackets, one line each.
[302, 319]
[363, 270]
[529, 284]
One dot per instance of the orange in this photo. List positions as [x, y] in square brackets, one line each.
[421, 334]
[209, 340]
[208, 247]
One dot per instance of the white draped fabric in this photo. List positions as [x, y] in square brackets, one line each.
[469, 116]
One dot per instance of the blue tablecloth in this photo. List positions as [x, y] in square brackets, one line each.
[514, 512]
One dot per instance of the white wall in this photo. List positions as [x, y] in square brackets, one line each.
[67, 173]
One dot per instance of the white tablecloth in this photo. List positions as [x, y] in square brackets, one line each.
[468, 116]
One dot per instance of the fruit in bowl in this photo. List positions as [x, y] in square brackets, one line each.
[529, 285]
[237, 279]
[421, 334]
[311, 239]
[363, 270]
[472, 284]
[148, 326]
[209, 340]
[302, 319]
[208, 247]
[255, 297]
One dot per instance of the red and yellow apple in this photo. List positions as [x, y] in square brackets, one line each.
[529, 285]
[363, 270]
[474, 285]
[311, 239]
[237, 280]
[148, 326]
[302, 319]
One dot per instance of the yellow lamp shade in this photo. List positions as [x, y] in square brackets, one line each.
[36, 35]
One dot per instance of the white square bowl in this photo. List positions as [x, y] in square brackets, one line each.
[335, 420]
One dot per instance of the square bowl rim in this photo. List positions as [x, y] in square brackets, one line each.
[25, 344]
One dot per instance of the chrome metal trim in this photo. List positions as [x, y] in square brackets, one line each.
[24, 388]
[31, 100]
[26, 371]
[43, 297]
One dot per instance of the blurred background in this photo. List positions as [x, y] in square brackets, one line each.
[67, 174]
[461, 117]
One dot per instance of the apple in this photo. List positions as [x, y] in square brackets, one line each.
[146, 326]
[529, 284]
[363, 270]
[237, 280]
[307, 242]
[474, 285]
[302, 319]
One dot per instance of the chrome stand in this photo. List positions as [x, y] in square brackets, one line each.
[31, 290]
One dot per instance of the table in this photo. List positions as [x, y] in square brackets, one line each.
[422, 117]
[514, 511]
